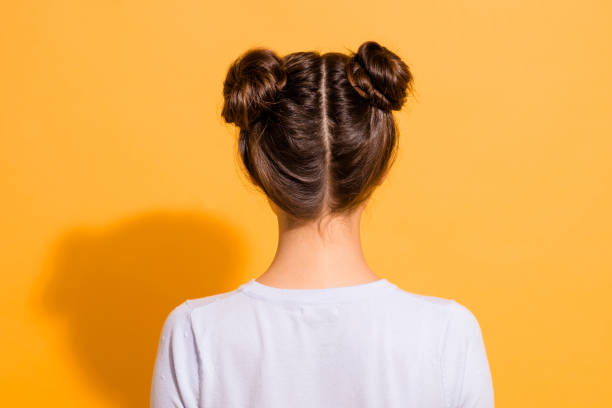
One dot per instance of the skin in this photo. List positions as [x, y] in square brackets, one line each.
[312, 256]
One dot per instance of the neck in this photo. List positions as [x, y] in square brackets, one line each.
[309, 257]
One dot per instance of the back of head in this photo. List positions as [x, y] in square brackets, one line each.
[317, 132]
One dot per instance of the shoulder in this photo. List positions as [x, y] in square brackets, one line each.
[434, 309]
[461, 322]
[202, 302]
[454, 322]
[178, 319]
[449, 309]
[181, 314]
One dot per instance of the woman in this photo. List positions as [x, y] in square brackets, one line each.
[319, 328]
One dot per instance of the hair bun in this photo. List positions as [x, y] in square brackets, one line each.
[379, 75]
[252, 85]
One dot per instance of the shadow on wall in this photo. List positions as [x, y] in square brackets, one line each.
[114, 287]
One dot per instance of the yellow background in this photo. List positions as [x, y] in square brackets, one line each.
[122, 194]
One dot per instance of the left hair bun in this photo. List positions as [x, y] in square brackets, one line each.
[252, 85]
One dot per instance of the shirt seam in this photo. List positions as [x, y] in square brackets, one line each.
[293, 302]
[445, 395]
[197, 349]
[465, 363]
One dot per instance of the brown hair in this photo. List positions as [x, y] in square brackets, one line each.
[317, 133]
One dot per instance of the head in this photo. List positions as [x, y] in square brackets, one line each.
[317, 132]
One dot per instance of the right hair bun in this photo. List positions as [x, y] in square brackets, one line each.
[251, 86]
[379, 75]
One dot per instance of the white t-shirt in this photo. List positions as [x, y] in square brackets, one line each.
[371, 345]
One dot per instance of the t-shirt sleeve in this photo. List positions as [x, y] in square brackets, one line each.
[176, 373]
[467, 381]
